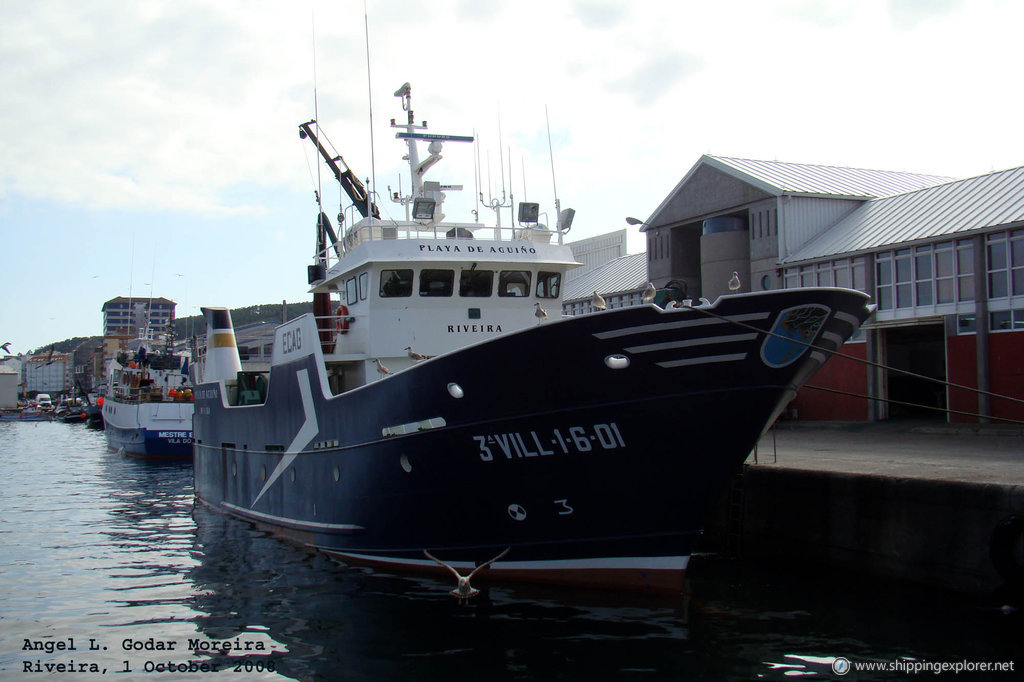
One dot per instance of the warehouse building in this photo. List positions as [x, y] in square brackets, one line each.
[942, 258]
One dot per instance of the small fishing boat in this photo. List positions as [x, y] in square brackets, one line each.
[147, 408]
[437, 412]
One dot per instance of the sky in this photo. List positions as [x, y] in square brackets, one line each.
[152, 148]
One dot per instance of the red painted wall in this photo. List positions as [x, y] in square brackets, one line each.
[838, 374]
[1006, 359]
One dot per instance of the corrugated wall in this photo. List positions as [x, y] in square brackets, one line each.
[805, 218]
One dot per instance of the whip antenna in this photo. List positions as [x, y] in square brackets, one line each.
[369, 95]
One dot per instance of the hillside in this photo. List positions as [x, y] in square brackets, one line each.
[185, 327]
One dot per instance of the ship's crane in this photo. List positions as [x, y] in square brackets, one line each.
[355, 189]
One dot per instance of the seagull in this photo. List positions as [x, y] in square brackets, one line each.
[734, 281]
[649, 292]
[7, 347]
[417, 356]
[704, 301]
[540, 313]
[381, 369]
[463, 590]
[597, 302]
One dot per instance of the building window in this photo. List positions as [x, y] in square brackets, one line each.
[883, 280]
[903, 275]
[1017, 262]
[923, 275]
[965, 270]
[998, 273]
[1000, 321]
[944, 290]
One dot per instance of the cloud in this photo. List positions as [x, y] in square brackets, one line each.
[600, 14]
[657, 75]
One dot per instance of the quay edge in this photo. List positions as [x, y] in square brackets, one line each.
[934, 532]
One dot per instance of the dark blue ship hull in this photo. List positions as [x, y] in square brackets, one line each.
[592, 447]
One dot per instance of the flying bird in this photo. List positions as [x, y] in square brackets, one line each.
[7, 347]
[597, 301]
[734, 281]
[417, 356]
[649, 292]
[463, 590]
[381, 369]
[539, 313]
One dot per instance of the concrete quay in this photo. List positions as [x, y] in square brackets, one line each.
[918, 502]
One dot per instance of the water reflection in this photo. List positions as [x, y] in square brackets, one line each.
[97, 546]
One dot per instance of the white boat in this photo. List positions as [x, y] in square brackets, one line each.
[147, 407]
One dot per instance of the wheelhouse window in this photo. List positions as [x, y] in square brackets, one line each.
[436, 282]
[351, 294]
[395, 283]
[514, 283]
[549, 284]
[364, 285]
[476, 283]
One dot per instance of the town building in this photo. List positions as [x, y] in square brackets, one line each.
[132, 317]
[942, 258]
[48, 372]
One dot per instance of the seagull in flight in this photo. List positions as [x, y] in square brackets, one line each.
[463, 590]
[417, 356]
[7, 347]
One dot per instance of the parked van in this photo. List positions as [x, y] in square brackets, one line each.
[43, 401]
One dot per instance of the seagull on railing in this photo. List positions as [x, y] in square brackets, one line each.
[539, 313]
[381, 369]
[417, 356]
[597, 301]
[734, 281]
[649, 292]
[463, 590]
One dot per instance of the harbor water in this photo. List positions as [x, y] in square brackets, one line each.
[111, 569]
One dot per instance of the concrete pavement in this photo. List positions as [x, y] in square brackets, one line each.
[990, 453]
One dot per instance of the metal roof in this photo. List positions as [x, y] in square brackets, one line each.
[779, 178]
[992, 200]
[625, 273]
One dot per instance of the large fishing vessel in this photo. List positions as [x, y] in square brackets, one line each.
[436, 408]
[147, 406]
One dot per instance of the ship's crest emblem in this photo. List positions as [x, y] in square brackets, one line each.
[794, 328]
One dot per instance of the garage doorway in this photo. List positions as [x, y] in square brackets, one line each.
[920, 349]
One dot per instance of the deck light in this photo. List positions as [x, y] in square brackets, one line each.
[529, 212]
[423, 208]
[455, 390]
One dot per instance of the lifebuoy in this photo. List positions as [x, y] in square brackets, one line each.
[341, 319]
[1006, 549]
